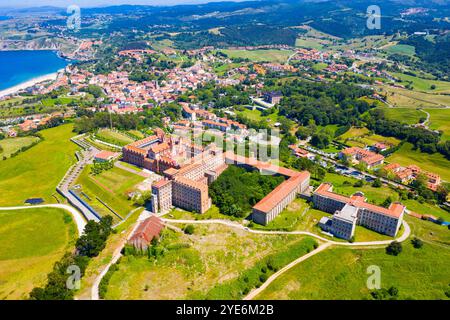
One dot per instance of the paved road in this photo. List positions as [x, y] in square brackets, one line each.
[77, 216]
[72, 175]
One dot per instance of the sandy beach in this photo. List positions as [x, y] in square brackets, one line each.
[30, 83]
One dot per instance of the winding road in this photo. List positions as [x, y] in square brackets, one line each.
[77, 216]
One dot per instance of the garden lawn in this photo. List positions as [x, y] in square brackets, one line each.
[31, 241]
[37, 171]
[436, 163]
[11, 145]
[112, 187]
[374, 195]
[114, 137]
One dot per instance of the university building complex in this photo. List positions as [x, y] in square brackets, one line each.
[187, 170]
[351, 211]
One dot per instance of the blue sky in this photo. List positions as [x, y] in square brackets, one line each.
[92, 3]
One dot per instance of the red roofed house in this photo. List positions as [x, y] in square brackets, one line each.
[371, 159]
[148, 230]
[105, 156]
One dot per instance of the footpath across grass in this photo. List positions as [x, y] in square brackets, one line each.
[37, 171]
[31, 241]
[341, 273]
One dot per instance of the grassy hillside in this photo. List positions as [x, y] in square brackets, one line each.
[37, 171]
[31, 241]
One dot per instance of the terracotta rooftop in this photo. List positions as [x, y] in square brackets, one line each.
[394, 210]
[281, 192]
[148, 229]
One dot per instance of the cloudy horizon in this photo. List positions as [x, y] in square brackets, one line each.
[98, 3]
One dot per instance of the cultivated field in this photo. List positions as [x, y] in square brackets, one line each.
[400, 49]
[37, 171]
[31, 241]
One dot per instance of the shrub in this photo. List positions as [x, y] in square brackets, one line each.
[417, 243]
[394, 248]
[189, 229]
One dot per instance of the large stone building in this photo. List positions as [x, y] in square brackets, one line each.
[276, 201]
[351, 211]
[188, 170]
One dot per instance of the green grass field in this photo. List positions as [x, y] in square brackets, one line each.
[193, 265]
[11, 145]
[260, 55]
[339, 274]
[309, 43]
[401, 49]
[421, 84]
[111, 187]
[37, 171]
[114, 137]
[373, 195]
[31, 241]
[440, 120]
[436, 163]
[255, 115]
[403, 98]
[405, 115]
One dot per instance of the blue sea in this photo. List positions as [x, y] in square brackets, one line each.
[17, 67]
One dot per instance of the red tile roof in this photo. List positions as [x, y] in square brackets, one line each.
[394, 210]
[148, 229]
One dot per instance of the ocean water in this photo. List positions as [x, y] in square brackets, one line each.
[17, 67]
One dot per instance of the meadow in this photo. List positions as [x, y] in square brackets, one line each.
[31, 241]
[361, 137]
[403, 98]
[12, 145]
[37, 171]
[260, 55]
[400, 49]
[440, 120]
[197, 266]
[405, 115]
[341, 273]
[422, 84]
[436, 162]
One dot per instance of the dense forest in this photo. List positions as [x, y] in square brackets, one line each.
[237, 190]
[325, 103]
[434, 55]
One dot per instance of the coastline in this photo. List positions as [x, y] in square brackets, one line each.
[29, 83]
